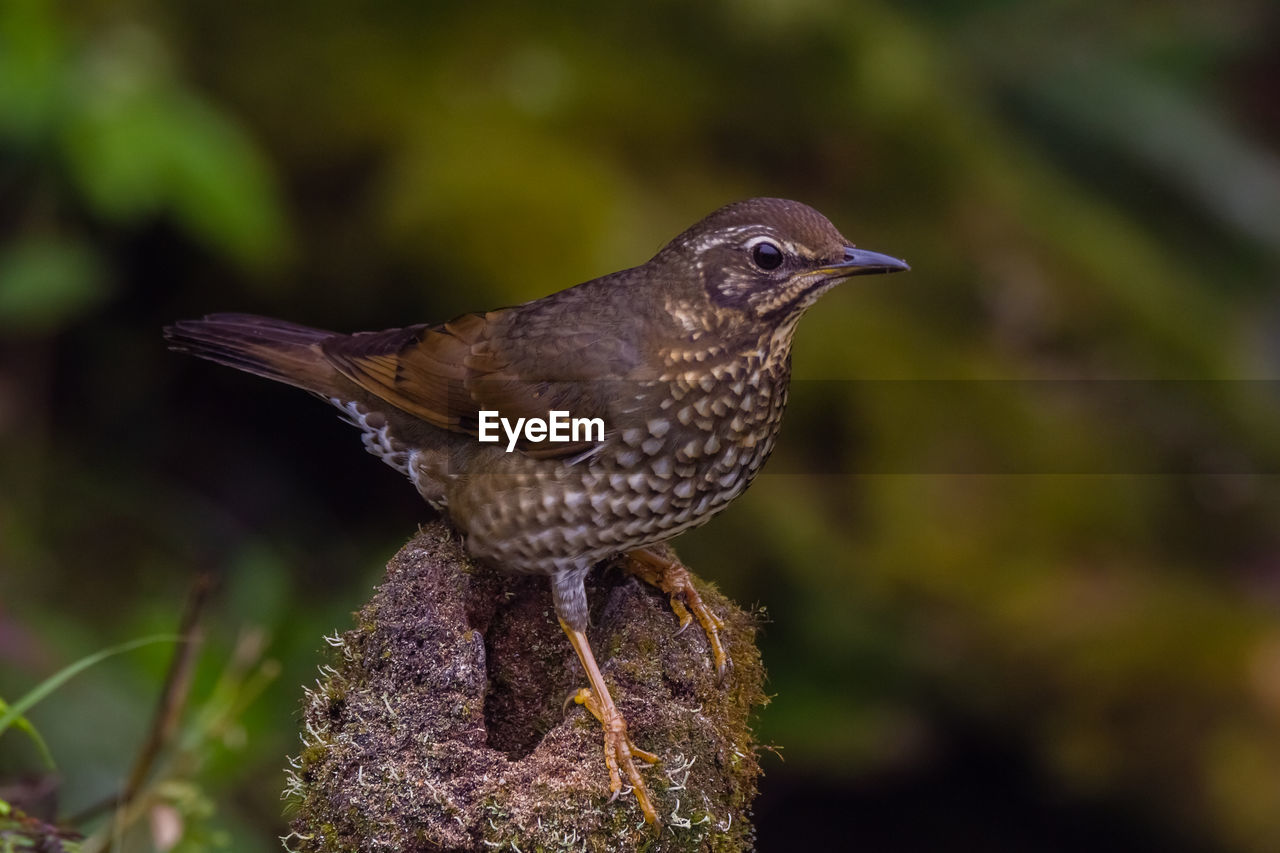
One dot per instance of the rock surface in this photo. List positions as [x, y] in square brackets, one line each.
[441, 725]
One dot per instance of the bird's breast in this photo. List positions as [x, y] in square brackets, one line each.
[682, 447]
[704, 436]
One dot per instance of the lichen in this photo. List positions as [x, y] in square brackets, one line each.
[441, 723]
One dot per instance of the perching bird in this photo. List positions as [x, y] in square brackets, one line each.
[685, 360]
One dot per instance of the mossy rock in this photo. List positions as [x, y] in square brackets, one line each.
[442, 724]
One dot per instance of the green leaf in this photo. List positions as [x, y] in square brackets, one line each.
[141, 144]
[62, 676]
[47, 282]
[32, 54]
[218, 185]
[23, 724]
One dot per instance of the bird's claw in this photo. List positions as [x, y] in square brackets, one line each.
[682, 613]
[670, 576]
[618, 754]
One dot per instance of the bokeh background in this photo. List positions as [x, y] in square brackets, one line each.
[1018, 547]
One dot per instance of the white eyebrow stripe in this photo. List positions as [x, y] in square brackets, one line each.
[728, 235]
[723, 236]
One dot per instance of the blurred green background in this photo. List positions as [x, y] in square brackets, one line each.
[1018, 545]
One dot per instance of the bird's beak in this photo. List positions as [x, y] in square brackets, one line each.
[862, 262]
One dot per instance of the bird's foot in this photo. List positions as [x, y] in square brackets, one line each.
[619, 752]
[670, 575]
[618, 748]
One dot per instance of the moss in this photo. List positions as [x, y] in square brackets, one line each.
[441, 724]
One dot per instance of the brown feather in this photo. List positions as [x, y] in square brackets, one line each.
[275, 349]
[447, 374]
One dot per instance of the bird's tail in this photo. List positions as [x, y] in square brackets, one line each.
[274, 349]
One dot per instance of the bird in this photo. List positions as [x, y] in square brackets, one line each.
[680, 365]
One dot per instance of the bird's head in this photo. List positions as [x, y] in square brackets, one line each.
[766, 260]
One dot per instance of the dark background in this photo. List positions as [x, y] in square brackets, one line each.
[1018, 546]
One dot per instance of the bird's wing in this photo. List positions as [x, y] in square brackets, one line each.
[447, 374]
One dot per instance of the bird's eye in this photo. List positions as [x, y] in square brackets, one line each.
[766, 255]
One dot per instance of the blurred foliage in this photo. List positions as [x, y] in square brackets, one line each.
[1020, 532]
[106, 121]
[160, 808]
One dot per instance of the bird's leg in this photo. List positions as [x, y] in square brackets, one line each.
[618, 748]
[669, 575]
